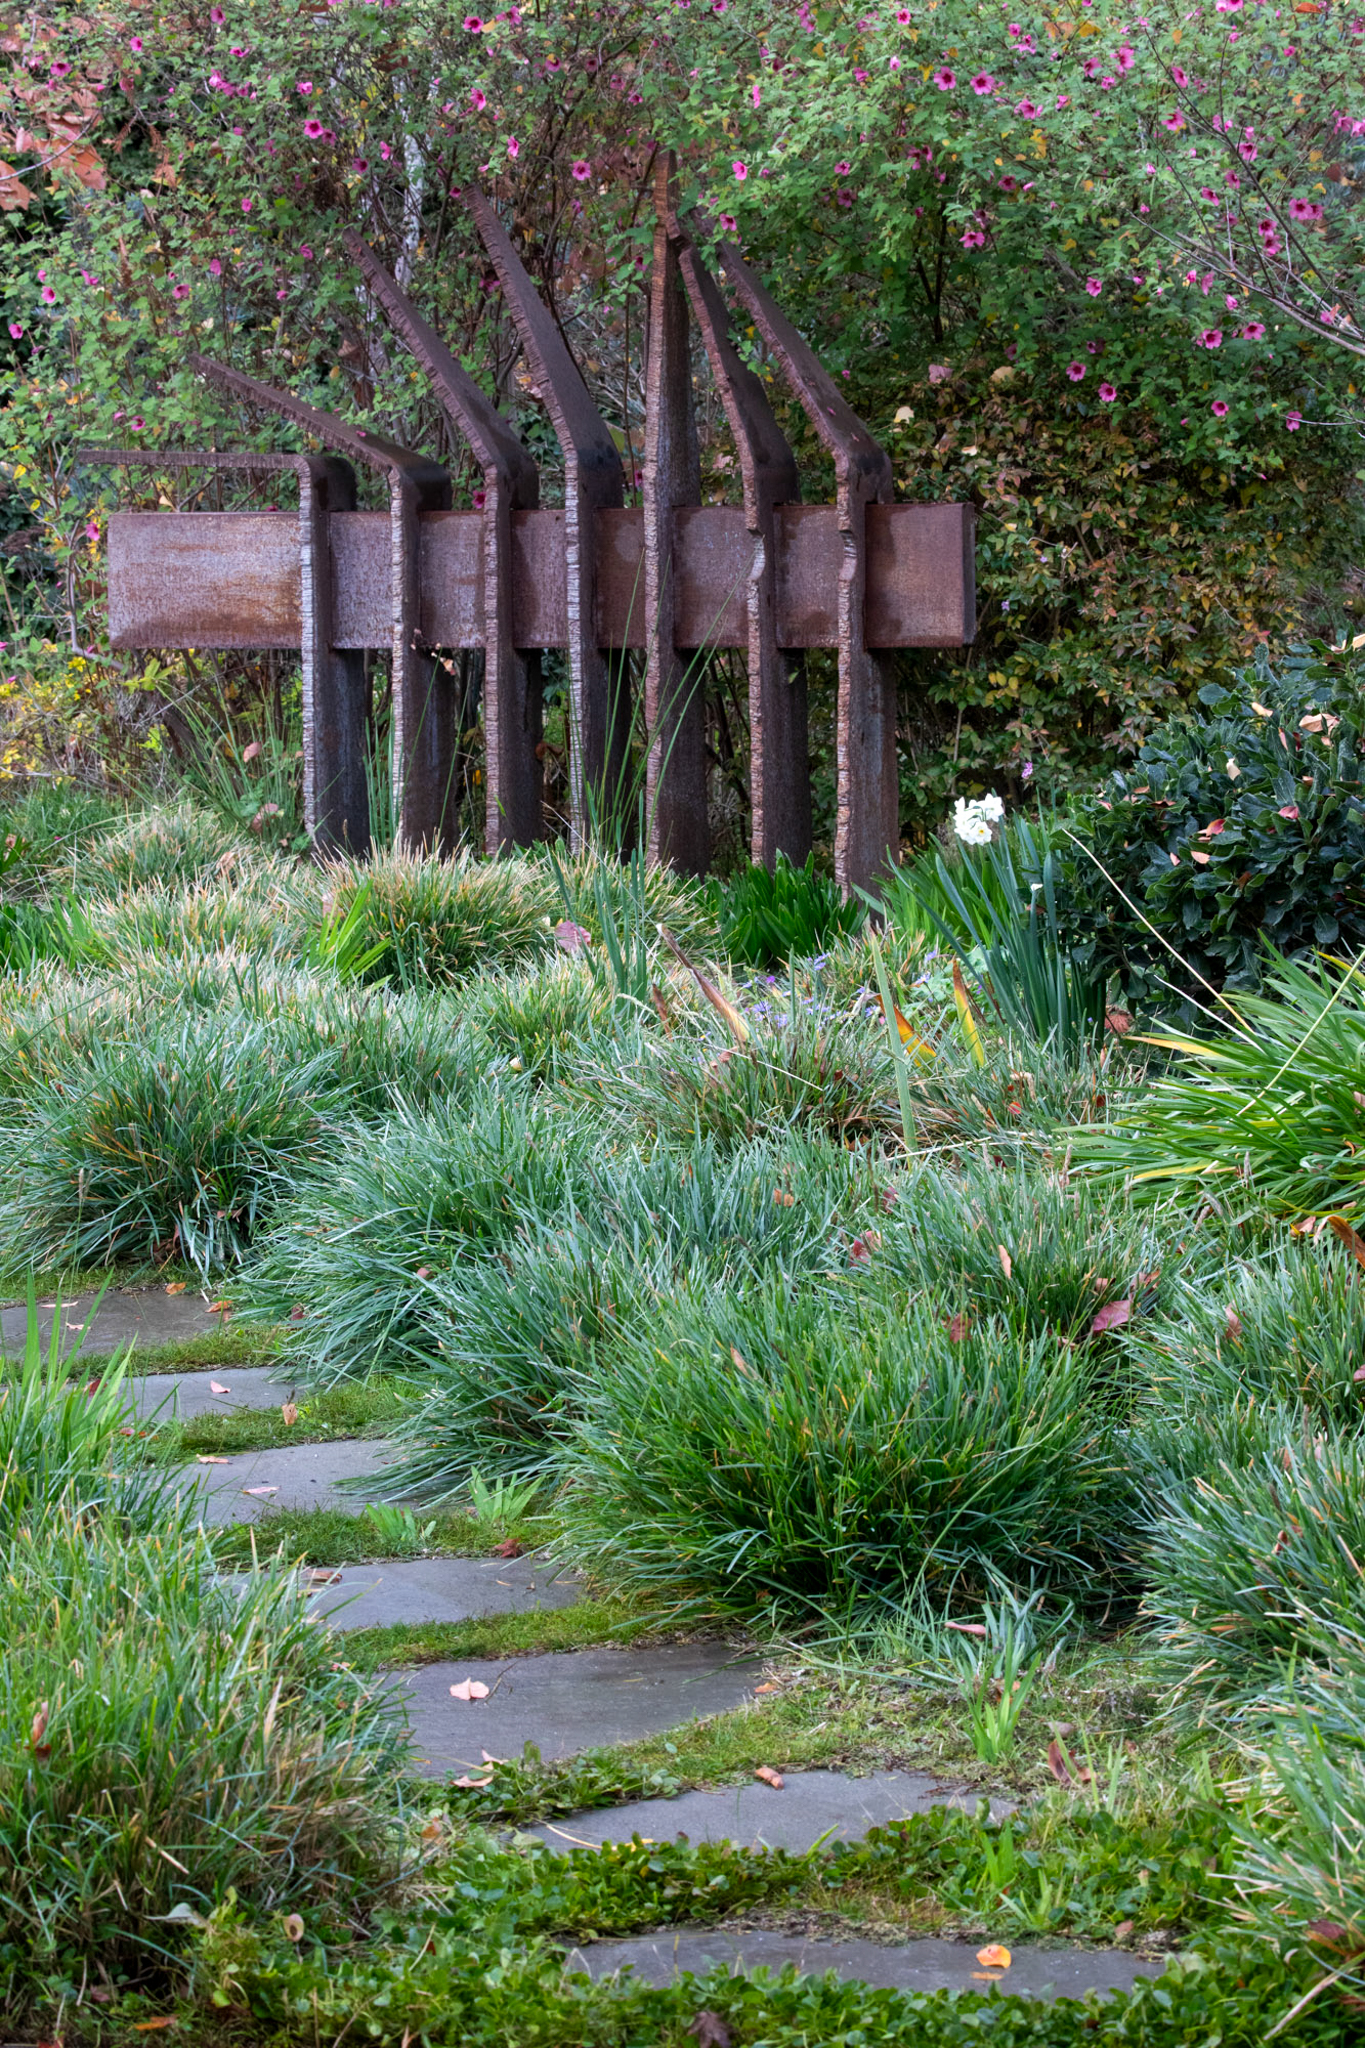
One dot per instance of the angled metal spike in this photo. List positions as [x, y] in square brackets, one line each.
[779, 770]
[511, 481]
[593, 482]
[867, 829]
[423, 701]
[675, 703]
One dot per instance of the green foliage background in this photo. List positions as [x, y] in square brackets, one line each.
[171, 197]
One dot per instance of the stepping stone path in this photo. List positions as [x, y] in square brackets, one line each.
[564, 1702]
[143, 1315]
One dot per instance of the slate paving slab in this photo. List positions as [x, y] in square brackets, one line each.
[174, 1396]
[422, 1589]
[567, 1702]
[243, 1487]
[144, 1315]
[810, 1805]
[927, 1965]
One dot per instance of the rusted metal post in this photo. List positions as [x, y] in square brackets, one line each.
[779, 767]
[867, 793]
[675, 703]
[512, 677]
[423, 703]
[599, 709]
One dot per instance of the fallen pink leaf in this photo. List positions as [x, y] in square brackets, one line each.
[1111, 1317]
[469, 1689]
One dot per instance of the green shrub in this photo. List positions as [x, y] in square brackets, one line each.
[771, 1449]
[768, 917]
[1251, 1566]
[1221, 857]
[166, 1734]
[175, 845]
[540, 1018]
[182, 1140]
[1271, 1108]
[44, 832]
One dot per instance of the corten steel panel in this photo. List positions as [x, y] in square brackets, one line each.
[204, 579]
[362, 558]
[921, 575]
[540, 615]
[713, 553]
[620, 544]
[809, 552]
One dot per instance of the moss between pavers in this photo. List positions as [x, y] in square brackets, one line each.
[362, 1409]
[334, 1536]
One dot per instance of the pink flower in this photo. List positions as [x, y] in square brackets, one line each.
[48, 296]
[1181, 77]
[1124, 57]
[1247, 152]
[215, 266]
[1108, 393]
[740, 170]
[973, 239]
[1254, 331]
[385, 151]
[477, 100]
[1219, 408]
[91, 279]
[306, 253]
[1290, 811]
[1293, 420]
[16, 330]
[1175, 122]
[903, 16]
[180, 291]
[582, 170]
[983, 83]
[359, 164]
[61, 67]
[1227, 6]
[1210, 337]
[305, 86]
[1075, 371]
[135, 45]
[842, 168]
[473, 24]
[513, 147]
[137, 423]
[246, 206]
[1027, 108]
[312, 129]
[92, 531]
[478, 499]
[1094, 287]
[217, 16]
[1304, 209]
[728, 223]
[945, 79]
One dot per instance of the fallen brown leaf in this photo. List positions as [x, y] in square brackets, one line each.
[175, 1286]
[468, 1784]
[770, 1777]
[260, 1492]
[1006, 1262]
[710, 2030]
[1123, 1930]
[152, 2026]
[289, 1414]
[957, 1327]
[1112, 1316]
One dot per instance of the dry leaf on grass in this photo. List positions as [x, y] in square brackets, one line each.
[467, 1784]
[770, 1777]
[289, 1414]
[1112, 1316]
[469, 1689]
[1064, 1767]
[176, 1286]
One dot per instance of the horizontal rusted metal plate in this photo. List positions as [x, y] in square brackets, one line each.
[231, 579]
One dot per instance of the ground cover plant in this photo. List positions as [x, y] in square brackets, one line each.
[850, 1306]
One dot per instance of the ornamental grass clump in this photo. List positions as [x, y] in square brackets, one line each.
[167, 1734]
[429, 921]
[1254, 1570]
[180, 1141]
[774, 1453]
[177, 845]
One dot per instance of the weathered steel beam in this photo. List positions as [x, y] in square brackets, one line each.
[599, 708]
[675, 701]
[779, 770]
[335, 689]
[423, 702]
[867, 792]
[512, 679]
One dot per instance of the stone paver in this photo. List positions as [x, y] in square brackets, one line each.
[811, 1804]
[291, 1476]
[144, 1315]
[571, 1701]
[929, 1965]
[172, 1395]
[422, 1589]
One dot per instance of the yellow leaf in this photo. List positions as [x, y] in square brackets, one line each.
[994, 1957]
[970, 1029]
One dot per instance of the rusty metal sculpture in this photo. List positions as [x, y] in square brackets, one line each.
[773, 577]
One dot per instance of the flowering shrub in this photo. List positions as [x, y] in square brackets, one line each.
[1242, 826]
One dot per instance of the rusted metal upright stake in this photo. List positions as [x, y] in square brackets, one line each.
[779, 767]
[599, 707]
[423, 703]
[867, 827]
[512, 677]
[675, 704]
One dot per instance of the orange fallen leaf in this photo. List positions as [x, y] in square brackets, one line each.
[1123, 1930]
[1353, 1241]
[220, 1308]
[152, 2026]
[1006, 1262]
[469, 1689]
[207, 1458]
[769, 1776]
[175, 1286]
[967, 1628]
[783, 1199]
[767, 1686]
[994, 1956]
[289, 1414]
